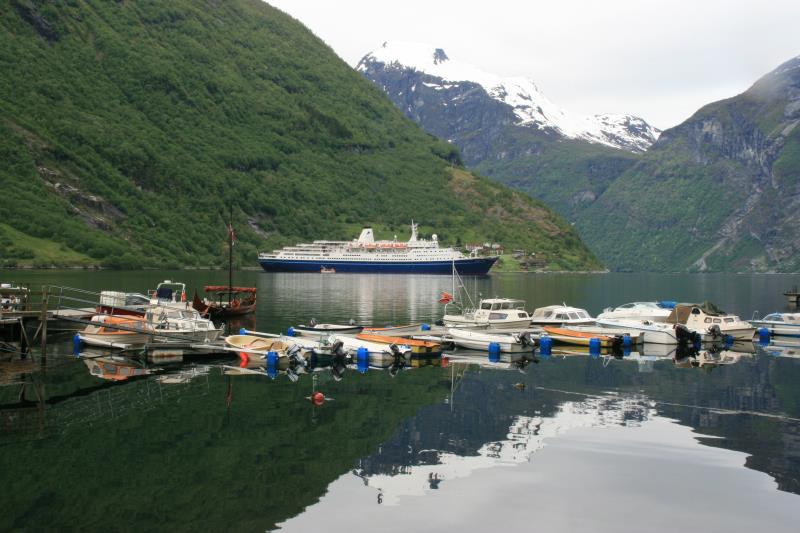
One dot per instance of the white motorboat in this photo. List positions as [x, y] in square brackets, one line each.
[707, 319]
[780, 324]
[171, 324]
[500, 313]
[557, 315]
[650, 311]
[112, 331]
[653, 332]
[352, 344]
[172, 294]
[636, 338]
[476, 340]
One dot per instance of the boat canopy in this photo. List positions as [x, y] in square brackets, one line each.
[225, 289]
[680, 313]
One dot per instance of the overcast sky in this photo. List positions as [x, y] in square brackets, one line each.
[658, 59]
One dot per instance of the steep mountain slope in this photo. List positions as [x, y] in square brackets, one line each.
[506, 128]
[719, 192]
[127, 128]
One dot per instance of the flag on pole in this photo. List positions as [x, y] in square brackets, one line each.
[445, 298]
[231, 233]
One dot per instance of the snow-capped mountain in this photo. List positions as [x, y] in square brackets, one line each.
[531, 108]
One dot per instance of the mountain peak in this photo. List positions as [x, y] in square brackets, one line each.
[530, 106]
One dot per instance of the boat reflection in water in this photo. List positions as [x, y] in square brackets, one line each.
[526, 435]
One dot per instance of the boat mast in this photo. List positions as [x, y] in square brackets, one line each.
[230, 253]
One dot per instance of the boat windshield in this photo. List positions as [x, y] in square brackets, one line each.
[774, 317]
[486, 306]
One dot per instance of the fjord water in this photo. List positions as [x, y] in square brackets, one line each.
[570, 443]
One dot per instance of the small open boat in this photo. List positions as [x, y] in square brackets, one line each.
[111, 331]
[410, 329]
[252, 344]
[316, 330]
[476, 340]
[229, 301]
[418, 347]
[580, 338]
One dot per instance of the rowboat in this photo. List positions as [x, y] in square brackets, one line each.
[317, 330]
[475, 340]
[112, 331]
[636, 338]
[581, 338]
[418, 347]
[251, 344]
[409, 329]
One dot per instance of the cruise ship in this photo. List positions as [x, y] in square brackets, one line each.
[365, 254]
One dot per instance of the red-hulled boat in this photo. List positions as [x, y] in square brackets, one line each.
[226, 301]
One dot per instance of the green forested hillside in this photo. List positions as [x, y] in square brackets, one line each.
[127, 128]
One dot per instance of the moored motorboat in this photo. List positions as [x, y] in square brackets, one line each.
[581, 338]
[254, 345]
[557, 315]
[653, 333]
[498, 313]
[476, 340]
[352, 344]
[112, 331]
[636, 338]
[780, 324]
[418, 347]
[709, 320]
[651, 311]
[174, 324]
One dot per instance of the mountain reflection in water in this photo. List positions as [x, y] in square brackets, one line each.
[651, 439]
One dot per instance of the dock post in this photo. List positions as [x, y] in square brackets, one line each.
[43, 322]
[24, 342]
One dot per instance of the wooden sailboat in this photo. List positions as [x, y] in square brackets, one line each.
[226, 301]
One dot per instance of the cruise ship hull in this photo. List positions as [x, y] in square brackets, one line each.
[472, 266]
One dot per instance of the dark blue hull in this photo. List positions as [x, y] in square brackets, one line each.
[471, 267]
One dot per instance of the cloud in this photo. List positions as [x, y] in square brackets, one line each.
[658, 59]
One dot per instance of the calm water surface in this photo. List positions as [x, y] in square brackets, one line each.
[573, 443]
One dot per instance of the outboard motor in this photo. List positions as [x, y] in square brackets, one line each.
[616, 345]
[295, 357]
[526, 340]
[714, 331]
[337, 349]
[312, 322]
[439, 322]
[684, 334]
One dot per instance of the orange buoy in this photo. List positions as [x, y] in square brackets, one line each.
[244, 359]
[318, 398]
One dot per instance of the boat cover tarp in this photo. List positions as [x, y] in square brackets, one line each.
[681, 312]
